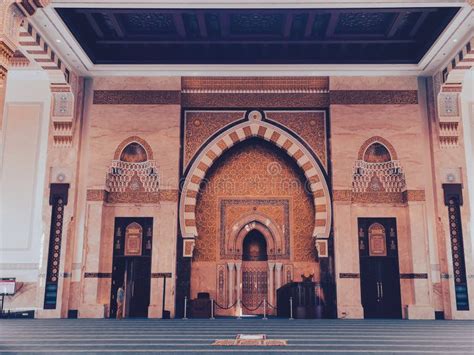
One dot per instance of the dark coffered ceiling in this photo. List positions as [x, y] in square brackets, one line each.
[249, 36]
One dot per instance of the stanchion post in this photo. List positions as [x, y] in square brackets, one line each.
[212, 308]
[291, 308]
[185, 306]
[265, 309]
[239, 309]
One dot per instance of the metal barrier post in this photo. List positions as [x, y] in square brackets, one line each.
[239, 309]
[185, 306]
[212, 308]
[265, 308]
[291, 308]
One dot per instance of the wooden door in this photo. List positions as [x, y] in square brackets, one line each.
[379, 269]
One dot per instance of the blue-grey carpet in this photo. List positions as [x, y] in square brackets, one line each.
[196, 336]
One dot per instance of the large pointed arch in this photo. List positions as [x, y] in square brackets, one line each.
[255, 127]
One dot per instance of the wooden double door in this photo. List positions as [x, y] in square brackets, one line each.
[379, 268]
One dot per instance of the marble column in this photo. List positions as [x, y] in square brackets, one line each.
[346, 261]
[238, 269]
[278, 269]
[271, 284]
[230, 284]
[90, 306]
[422, 307]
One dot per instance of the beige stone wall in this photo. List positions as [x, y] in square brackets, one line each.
[109, 124]
[403, 125]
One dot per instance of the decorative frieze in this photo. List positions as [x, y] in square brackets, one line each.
[137, 97]
[170, 195]
[349, 275]
[411, 276]
[374, 97]
[378, 197]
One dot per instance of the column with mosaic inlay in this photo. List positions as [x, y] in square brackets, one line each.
[58, 200]
[453, 200]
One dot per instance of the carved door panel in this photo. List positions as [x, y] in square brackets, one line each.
[254, 286]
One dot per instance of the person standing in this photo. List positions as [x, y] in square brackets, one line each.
[120, 298]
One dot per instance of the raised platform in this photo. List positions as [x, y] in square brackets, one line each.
[187, 336]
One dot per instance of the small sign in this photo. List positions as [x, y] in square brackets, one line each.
[7, 286]
[163, 274]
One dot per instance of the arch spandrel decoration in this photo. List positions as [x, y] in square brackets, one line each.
[256, 127]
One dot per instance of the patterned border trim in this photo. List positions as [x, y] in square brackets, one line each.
[349, 275]
[414, 276]
[378, 197]
[133, 197]
[99, 275]
[137, 97]
[245, 100]
[374, 97]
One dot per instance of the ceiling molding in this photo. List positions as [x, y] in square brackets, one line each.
[50, 25]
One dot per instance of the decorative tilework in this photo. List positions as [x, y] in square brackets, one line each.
[414, 276]
[245, 100]
[201, 125]
[136, 97]
[349, 275]
[374, 97]
[309, 125]
[244, 183]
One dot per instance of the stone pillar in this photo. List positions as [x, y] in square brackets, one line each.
[90, 306]
[347, 262]
[271, 284]
[422, 307]
[238, 269]
[230, 284]
[278, 269]
[163, 260]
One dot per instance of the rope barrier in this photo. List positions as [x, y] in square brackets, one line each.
[252, 309]
[225, 308]
[270, 305]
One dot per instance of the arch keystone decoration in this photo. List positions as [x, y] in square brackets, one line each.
[255, 126]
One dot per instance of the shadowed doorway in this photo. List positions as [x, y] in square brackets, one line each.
[132, 265]
[254, 272]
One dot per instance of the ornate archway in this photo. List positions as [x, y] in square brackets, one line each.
[255, 126]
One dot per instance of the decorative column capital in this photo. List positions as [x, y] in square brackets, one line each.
[230, 266]
[238, 266]
[278, 266]
[271, 266]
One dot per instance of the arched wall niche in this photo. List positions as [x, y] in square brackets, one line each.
[377, 139]
[276, 244]
[255, 126]
[133, 139]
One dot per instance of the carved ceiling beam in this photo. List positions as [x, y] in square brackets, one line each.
[29, 7]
